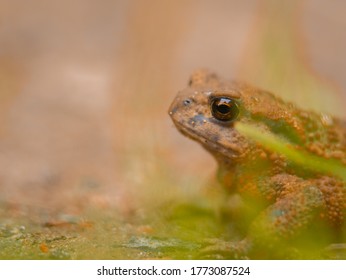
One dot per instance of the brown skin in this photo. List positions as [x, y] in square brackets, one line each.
[286, 198]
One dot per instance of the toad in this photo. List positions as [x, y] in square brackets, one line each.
[286, 200]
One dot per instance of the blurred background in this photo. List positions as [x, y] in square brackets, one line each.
[85, 87]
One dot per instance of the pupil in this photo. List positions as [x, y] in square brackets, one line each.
[224, 109]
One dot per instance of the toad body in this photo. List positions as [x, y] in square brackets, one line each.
[286, 200]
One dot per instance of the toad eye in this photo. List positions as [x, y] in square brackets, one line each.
[224, 109]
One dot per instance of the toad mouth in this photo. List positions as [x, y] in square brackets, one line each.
[212, 147]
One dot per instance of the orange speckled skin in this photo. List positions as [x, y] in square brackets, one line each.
[288, 198]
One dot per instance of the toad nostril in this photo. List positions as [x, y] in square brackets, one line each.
[187, 102]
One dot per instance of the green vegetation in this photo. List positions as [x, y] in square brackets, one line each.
[302, 158]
